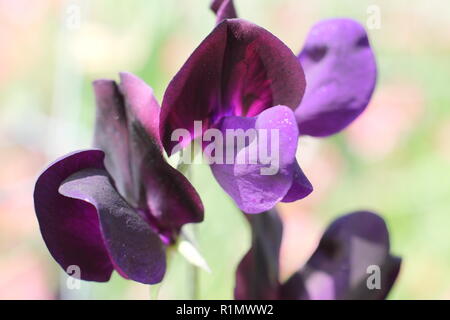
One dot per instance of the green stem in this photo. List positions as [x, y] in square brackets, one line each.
[154, 291]
[189, 235]
[193, 272]
[195, 280]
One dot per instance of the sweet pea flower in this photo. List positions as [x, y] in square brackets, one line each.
[352, 261]
[340, 71]
[120, 206]
[241, 77]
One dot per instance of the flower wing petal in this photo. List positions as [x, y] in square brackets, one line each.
[71, 228]
[262, 170]
[111, 135]
[136, 249]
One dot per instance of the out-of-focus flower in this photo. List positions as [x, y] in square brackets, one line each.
[241, 77]
[354, 248]
[119, 207]
[340, 72]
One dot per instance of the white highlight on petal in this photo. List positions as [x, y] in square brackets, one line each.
[192, 255]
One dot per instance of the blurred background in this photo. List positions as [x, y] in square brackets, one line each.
[395, 159]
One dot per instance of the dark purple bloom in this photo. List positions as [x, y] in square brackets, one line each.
[340, 72]
[241, 77]
[117, 207]
[354, 248]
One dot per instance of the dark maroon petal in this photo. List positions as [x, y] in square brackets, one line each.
[136, 153]
[111, 135]
[240, 69]
[142, 117]
[135, 248]
[341, 266]
[341, 74]
[71, 228]
[257, 274]
[294, 288]
[167, 193]
[142, 108]
[257, 186]
[124, 112]
[224, 9]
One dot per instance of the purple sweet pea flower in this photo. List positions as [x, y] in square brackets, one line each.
[340, 72]
[354, 248]
[119, 206]
[241, 77]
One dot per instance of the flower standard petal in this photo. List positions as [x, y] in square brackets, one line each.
[170, 197]
[341, 73]
[163, 192]
[141, 106]
[125, 112]
[71, 228]
[136, 249]
[240, 69]
[112, 137]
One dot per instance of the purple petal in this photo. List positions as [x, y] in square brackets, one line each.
[134, 247]
[71, 228]
[257, 274]
[257, 186]
[111, 135]
[128, 130]
[125, 112]
[142, 108]
[341, 74]
[224, 9]
[341, 266]
[300, 188]
[240, 69]
[170, 197]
